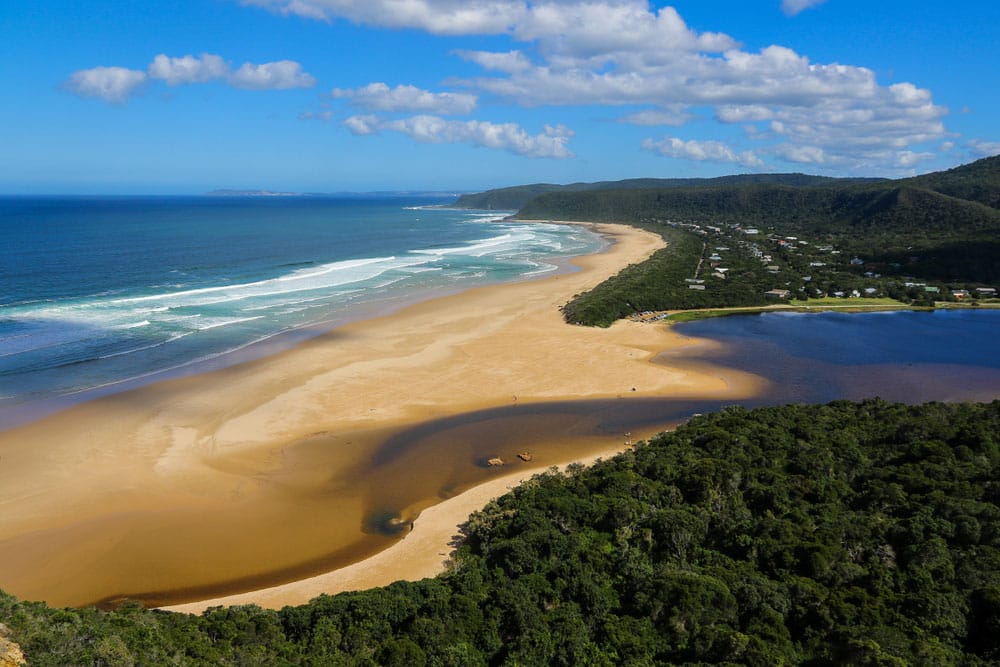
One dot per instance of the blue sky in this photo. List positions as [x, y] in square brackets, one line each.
[133, 97]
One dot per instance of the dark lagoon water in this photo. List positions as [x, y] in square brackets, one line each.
[945, 355]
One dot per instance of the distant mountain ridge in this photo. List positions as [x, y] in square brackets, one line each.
[964, 199]
[515, 197]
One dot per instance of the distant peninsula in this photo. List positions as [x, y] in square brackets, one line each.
[429, 194]
[252, 193]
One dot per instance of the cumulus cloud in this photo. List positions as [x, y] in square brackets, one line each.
[188, 69]
[567, 26]
[280, 75]
[511, 137]
[111, 84]
[510, 61]
[410, 99]
[116, 84]
[702, 151]
[793, 7]
[803, 154]
[362, 125]
[442, 17]
[629, 52]
[980, 148]
[674, 117]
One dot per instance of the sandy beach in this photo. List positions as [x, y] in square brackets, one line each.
[281, 470]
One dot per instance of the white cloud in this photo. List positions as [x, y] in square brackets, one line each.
[565, 26]
[511, 137]
[793, 7]
[362, 125]
[280, 75]
[980, 148]
[188, 69]
[510, 62]
[803, 154]
[442, 17]
[711, 151]
[379, 97]
[674, 117]
[116, 84]
[111, 84]
[629, 52]
[906, 159]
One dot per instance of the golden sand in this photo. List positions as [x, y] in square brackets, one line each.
[267, 472]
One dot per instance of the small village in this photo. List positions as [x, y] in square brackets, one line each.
[802, 270]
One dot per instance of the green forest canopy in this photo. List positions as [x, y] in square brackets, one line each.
[852, 533]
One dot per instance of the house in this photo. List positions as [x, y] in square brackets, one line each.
[751, 230]
[719, 275]
[774, 268]
[857, 261]
[778, 294]
[986, 291]
[932, 290]
[959, 293]
[697, 287]
[694, 281]
[817, 264]
[871, 291]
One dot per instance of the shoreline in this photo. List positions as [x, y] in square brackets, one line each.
[168, 487]
[20, 414]
[426, 549]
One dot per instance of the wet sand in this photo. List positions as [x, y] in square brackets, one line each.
[314, 459]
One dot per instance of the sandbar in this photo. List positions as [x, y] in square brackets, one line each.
[270, 471]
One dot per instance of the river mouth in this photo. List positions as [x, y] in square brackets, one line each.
[333, 499]
[319, 510]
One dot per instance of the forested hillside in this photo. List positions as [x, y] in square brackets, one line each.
[904, 233]
[513, 198]
[848, 534]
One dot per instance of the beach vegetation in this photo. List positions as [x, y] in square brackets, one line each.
[849, 533]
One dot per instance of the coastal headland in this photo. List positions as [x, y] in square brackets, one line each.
[293, 467]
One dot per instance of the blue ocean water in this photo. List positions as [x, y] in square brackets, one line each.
[97, 291]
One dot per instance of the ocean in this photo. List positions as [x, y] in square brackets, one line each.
[101, 294]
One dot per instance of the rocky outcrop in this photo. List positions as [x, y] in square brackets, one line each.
[10, 653]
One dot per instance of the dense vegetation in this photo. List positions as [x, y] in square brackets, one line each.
[513, 198]
[853, 533]
[659, 283]
[942, 227]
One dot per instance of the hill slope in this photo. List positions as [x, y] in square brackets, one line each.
[941, 227]
[513, 198]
